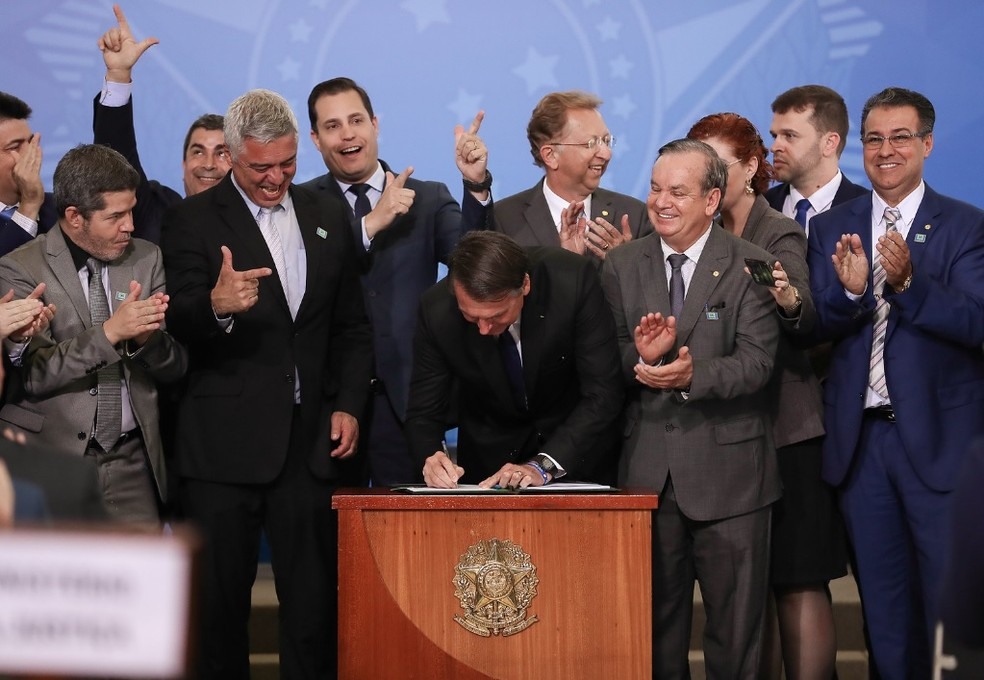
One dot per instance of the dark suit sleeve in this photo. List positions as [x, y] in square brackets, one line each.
[575, 443]
[192, 271]
[112, 126]
[430, 387]
[162, 357]
[837, 315]
[949, 302]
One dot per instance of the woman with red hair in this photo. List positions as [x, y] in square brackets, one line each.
[808, 544]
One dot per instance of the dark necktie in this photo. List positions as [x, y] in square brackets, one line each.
[677, 292]
[7, 214]
[514, 367]
[802, 207]
[109, 405]
[362, 205]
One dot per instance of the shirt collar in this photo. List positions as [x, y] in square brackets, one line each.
[695, 249]
[822, 198]
[254, 210]
[907, 206]
[377, 180]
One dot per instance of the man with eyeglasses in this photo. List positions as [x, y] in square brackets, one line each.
[903, 304]
[205, 155]
[809, 133]
[568, 208]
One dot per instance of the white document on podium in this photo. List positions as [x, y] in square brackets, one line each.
[557, 487]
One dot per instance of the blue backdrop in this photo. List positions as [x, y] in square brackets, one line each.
[429, 64]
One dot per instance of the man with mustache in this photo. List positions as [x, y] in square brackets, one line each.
[570, 141]
[87, 383]
[206, 157]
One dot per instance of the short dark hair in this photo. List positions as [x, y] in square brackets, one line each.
[488, 265]
[829, 110]
[897, 97]
[335, 86]
[549, 118]
[715, 173]
[87, 172]
[12, 108]
[208, 121]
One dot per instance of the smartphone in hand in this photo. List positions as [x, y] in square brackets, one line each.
[761, 271]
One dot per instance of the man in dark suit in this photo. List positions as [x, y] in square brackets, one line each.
[570, 141]
[25, 209]
[530, 342]
[906, 378]
[403, 228]
[267, 298]
[206, 157]
[698, 340]
[809, 132]
[86, 384]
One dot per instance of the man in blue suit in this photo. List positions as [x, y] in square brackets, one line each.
[403, 229]
[809, 132]
[25, 209]
[905, 390]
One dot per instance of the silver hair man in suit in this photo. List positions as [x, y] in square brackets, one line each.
[86, 384]
[698, 341]
[570, 141]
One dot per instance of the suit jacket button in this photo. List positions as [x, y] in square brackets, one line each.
[93, 391]
[81, 436]
[669, 428]
[289, 378]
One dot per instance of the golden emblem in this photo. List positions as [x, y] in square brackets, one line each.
[495, 583]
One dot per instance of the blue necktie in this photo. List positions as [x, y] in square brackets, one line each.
[802, 207]
[7, 214]
[514, 367]
[677, 292]
[362, 205]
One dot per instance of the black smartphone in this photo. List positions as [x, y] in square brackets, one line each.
[761, 271]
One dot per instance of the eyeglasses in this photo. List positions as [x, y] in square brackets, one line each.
[899, 141]
[728, 165]
[607, 140]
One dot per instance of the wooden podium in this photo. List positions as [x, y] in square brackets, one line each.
[522, 586]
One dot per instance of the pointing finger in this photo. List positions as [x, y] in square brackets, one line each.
[477, 123]
[259, 273]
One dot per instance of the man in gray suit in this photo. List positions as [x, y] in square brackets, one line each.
[698, 340]
[570, 141]
[85, 384]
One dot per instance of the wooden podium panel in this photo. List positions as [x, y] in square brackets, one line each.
[398, 555]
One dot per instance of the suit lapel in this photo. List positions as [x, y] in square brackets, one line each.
[713, 264]
[533, 333]
[652, 277]
[246, 235]
[603, 205]
[60, 261]
[120, 275]
[539, 222]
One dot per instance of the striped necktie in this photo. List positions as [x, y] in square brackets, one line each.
[876, 366]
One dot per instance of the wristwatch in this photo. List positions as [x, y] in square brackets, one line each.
[479, 187]
[797, 304]
[545, 462]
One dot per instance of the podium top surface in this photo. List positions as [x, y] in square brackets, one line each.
[386, 499]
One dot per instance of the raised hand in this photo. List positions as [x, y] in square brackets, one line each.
[27, 177]
[894, 252]
[119, 49]
[572, 228]
[851, 263]
[470, 152]
[136, 319]
[603, 236]
[235, 291]
[654, 336]
[395, 201]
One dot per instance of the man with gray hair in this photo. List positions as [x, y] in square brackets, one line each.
[86, 383]
[698, 341]
[267, 299]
